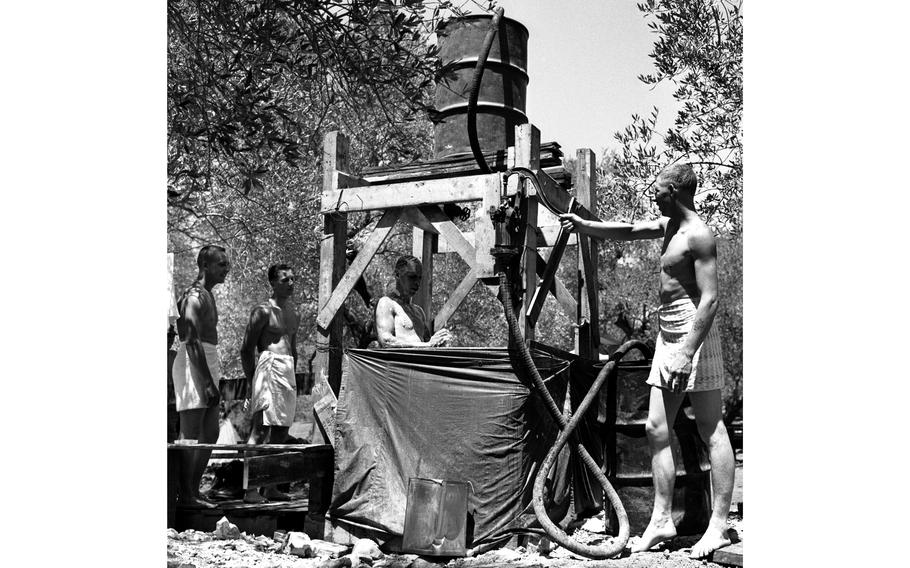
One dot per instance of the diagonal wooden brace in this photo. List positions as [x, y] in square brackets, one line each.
[450, 232]
[540, 294]
[355, 270]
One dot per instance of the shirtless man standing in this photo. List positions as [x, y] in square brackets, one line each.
[687, 359]
[399, 323]
[272, 331]
[197, 370]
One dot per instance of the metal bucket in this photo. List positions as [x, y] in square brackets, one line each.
[629, 460]
[435, 519]
[501, 99]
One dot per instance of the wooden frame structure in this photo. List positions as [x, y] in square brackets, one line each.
[419, 203]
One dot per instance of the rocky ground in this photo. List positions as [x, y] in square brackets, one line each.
[226, 547]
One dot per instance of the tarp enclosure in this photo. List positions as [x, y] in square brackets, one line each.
[459, 414]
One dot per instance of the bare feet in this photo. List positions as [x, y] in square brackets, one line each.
[658, 531]
[197, 502]
[272, 494]
[709, 542]
[252, 496]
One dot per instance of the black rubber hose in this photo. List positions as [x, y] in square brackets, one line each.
[527, 362]
[475, 91]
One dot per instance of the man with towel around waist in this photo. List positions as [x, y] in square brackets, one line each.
[687, 358]
[197, 370]
[272, 331]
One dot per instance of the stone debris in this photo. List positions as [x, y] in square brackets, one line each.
[366, 548]
[323, 548]
[225, 529]
[594, 525]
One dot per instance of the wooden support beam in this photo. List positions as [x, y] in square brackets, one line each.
[546, 237]
[527, 154]
[425, 192]
[549, 274]
[355, 271]
[587, 334]
[485, 233]
[285, 468]
[327, 362]
[423, 246]
[455, 299]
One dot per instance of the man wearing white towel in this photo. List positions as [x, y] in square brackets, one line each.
[272, 331]
[197, 370]
[687, 357]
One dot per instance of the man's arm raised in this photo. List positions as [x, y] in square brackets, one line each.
[196, 353]
[614, 230]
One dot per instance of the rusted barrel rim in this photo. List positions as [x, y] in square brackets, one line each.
[504, 19]
[491, 62]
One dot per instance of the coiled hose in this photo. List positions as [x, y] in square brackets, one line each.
[567, 428]
[527, 362]
[475, 91]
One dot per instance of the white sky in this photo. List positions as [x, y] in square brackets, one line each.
[584, 58]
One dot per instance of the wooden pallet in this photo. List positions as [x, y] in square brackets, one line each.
[267, 464]
[731, 555]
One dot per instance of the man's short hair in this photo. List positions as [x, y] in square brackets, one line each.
[682, 176]
[405, 262]
[275, 268]
[207, 254]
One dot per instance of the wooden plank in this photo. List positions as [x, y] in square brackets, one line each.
[449, 231]
[527, 146]
[302, 448]
[285, 468]
[485, 233]
[332, 262]
[456, 298]
[355, 271]
[424, 192]
[587, 334]
[527, 154]
[546, 238]
[731, 555]
[549, 274]
[423, 246]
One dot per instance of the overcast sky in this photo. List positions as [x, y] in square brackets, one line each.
[584, 57]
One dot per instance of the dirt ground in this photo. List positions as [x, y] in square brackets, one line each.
[205, 550]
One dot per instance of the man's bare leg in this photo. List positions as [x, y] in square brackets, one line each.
[257, 436]
[662, 408]
[709, 418]
[277, 435]
[194, 426]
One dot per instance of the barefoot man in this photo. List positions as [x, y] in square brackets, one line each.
[687, 358]
[399, 323]
[272, 331]
[197, 370]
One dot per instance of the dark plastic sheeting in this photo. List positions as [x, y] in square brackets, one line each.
[456, 414]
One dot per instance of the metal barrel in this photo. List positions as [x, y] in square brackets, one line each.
[628, 460]
[501, 100]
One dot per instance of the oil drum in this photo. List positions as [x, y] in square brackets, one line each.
[501, 99]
